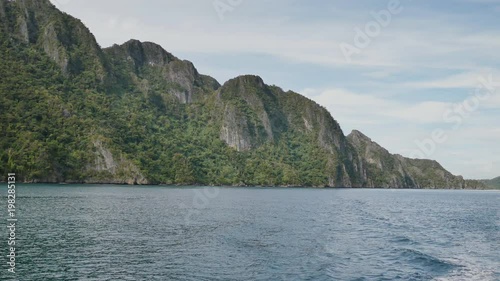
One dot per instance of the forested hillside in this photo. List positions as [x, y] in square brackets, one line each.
[494, 183]
[134, 113]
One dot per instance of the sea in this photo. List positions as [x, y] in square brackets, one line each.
[112, 232]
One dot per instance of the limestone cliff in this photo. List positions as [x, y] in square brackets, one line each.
[251, 113]
[255, 113]
[108, 168]
[150, 67]
[64, 38]
[388, 170]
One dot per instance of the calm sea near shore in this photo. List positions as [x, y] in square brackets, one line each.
[106, 232]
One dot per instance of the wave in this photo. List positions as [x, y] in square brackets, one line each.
[428, 262]
[470, 272]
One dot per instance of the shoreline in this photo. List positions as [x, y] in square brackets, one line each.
[242, 186]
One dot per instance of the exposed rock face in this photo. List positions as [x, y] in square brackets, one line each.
[149, 64]
[267, 112]
[306, 116]
[63, 38]
[235, 130]
[387, 170]
[110, 170]
[256, 114]
[52, 47]
[146, 53]
[251, 113]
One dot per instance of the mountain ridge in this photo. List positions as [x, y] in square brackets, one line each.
[134, 113]
[394, 169]
[493, 183]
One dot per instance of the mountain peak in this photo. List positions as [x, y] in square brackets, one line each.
[40, 24]
[143, 52]
[359, 139]
[358, 134]
[249, 80]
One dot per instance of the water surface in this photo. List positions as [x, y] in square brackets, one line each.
[82, 232]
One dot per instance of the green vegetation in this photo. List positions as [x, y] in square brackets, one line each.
[51, 122]
[494, 183]
[134, 113]
[388, 170]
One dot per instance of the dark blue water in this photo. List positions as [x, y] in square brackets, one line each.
[159, 233]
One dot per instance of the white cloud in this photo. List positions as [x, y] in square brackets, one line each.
[469, 80]
[342, 102]
[407, 44]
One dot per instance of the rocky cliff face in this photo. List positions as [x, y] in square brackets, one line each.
[251, 113]
[255, 114]
[74, 49]
[388, 170]
[64, 38]
[111, 169]
[151, 67]
[306, 116]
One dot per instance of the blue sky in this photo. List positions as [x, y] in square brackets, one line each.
[418, 77]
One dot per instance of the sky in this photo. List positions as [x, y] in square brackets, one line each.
[421, 78]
